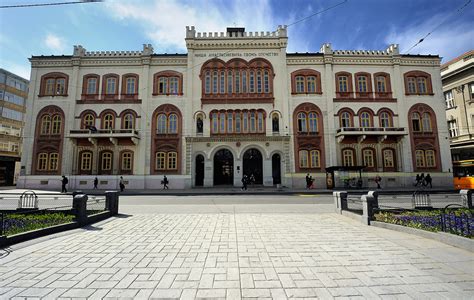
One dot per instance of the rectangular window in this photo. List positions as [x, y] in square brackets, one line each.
[130, 90]
[299, 84]
[127, 161]
[388, 161]
[222, 122]
[162, 85]
[237, 82]
[453, 128]
[222, 83]
[215, 123]
[215, 79]
[91, 86]
[245, 122]
[86, 161]
[259, 82]
[368, 158]
[174, 85]
[303, 155]
[448, 97]
[419, 158]
[348, 158]
[362, 84]
[266, 82]
[315, 159]
[60, 86]
[229, 82]
[430, 158]
[311, 84]
[252, 82]
[381, 88]
[244, 81]
[237, 123]
[110, 86]
[172, 159]
[49, 88]
[411, 85]
[471, 91]
[343, 84]
[421, 85]
[230, 123]
[106, 161]
[160, 160]
[252, 122]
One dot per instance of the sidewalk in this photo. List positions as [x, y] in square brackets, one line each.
[231, 190]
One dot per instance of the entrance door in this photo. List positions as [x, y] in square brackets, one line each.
[253, 165]
[199, 181]
[276, 169]
[223, 167]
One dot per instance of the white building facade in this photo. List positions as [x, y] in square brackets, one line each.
[237, 103]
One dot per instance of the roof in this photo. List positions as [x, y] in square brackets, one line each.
[421, 55]
[452, 61]
[305, 54]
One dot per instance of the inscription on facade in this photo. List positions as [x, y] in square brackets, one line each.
[230, 54]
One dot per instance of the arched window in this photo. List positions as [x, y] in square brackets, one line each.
[88, 121]
[418, 83]
[348, 157]
[161, 124]
[172, 160]
[86, 161]
[244, 81]
[106, 161]
[222, 122]
[237, 81]
[346, 120]
[42, 164]
[420, 158]
[266, 82]
[368, 158]
[275, 123]
[306, 81]
[45, 124]
[230, 122]
[259, 81]
[252, 122]
[56, 128]
[313, 122]
[237, 123]
[54, 84]
[245, 122]
[415, 121]
[385, 120]
[303, 155]
[207, 84]
[171, 83]
[365, 120]
[215, 123]
[128, 121]
[108, 122]
[173, 124]
[229, 82]
[126, 161]
[260, 122]
[252, 82]
[160, 161]
[53, 161]
[315, 159]
[426, 122]
[302, 127]
[222, 83]
[215, 78]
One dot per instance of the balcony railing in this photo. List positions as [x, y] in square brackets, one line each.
[370, 130]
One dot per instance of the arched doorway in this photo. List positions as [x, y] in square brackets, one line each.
[276, 168]
[199, 179]
[223, 167]
[253, 165]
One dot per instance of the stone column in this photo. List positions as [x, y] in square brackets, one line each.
[208, 172]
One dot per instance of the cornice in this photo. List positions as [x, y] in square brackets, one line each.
[217, 44]
[239, 138]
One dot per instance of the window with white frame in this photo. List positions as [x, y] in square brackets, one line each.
[448, 97]
[453, 128]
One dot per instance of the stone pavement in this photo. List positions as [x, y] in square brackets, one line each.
[233, 256]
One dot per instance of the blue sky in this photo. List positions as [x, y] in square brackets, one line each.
[127, 24]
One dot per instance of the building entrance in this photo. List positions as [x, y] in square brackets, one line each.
[276, 169]
[253, 165]
[199, 171]
[223, 167]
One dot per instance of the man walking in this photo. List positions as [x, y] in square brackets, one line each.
[64, 181]
[96, 182]
[165, 182]
[122, 184]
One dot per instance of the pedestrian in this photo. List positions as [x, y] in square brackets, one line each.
[96, 182]
[311, 182]
[417, 179]
[121, 184]
[165, 182]
[64, 181]
[428, 180]
[307, 181]
[377, 181]
[422, 179]
[244, 183]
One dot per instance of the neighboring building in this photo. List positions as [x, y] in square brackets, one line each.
[457, 77]
[13, 95]
[235, 104]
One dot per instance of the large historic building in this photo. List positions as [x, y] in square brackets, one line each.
[237, 103]
[457, 77]
[13, 95]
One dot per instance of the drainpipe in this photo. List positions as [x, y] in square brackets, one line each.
[465, 111]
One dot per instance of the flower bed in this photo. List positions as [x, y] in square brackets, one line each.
[18, 223]
[456, 221]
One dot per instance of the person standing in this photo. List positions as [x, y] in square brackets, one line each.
[311, 182]
[96, 183]
[244, 183]
[307, 181]
[377, 181]
[428, 180]
[121, 184]
[165, 182]
[64, 182]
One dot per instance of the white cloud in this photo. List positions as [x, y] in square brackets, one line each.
[448, 41]
[54, 42]
[164, 22]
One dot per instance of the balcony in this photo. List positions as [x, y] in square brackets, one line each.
[114, 135]
[362, 132]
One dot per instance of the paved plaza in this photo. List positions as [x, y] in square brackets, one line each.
[214, 248]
